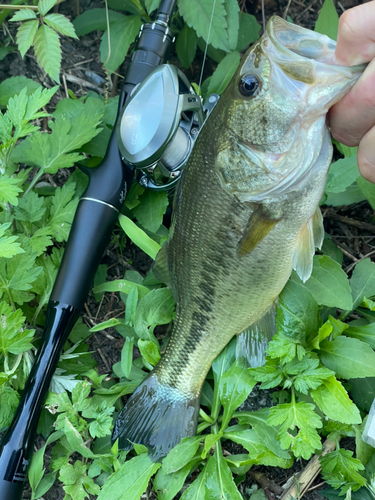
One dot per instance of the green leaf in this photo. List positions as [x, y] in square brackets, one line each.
[349, 358]
[75, 440]
[130, 480]
[219, 479]
[61, 24]
[8, 244]
[368, 190]
[94, 19]
[132, 6]
[248, 31]
[122, 33]
[197, 489]
[123, 286]
[149, 351]
[330, 249]
[352, 194]
[339, 469]
[342, 173]
[156, 308]
[232, 10]
[23, 15]
[210, 441]
[300, 418]
[363, 281]
[13, 86]
[198, 15]
[139, 237]
[45, 5]
[334, 401]
[30, 208]
[181, 454]
[110, 323]
[365, 333]
[149, 213]
[76, 483]
[47, 50]
[9, 399]
[186, 45]
[9, 190]
[62, 211]
[151, 5]
[25, 35]
[127, 357]
[168, 485]
[234, 387]
[131, 306]
[45, 485]
[223, 73]
[328, 20]
[13, 338]
[329, 284]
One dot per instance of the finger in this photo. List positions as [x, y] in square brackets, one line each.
[366, 156]
[354, 115]
[356, 35]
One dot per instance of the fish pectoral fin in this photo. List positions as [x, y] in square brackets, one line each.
[160, 266]
[253, 341]
[260, 225]
[311, 236]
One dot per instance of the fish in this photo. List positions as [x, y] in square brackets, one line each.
[245, 215]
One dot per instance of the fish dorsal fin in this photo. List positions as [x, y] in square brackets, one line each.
[160, 266]
[311, 236]
[260, 225]
[253, 341]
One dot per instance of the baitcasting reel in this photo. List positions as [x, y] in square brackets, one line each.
[158, 126]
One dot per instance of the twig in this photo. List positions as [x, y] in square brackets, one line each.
[108, 368]
[301, 14]
[65, 86]
[350, 267]
[308, 474]
[316, 486]
[287, 8]
[351, 222]
[345, 251]
[264, 483]
[83, 83]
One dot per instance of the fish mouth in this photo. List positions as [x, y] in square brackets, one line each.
[298, 42]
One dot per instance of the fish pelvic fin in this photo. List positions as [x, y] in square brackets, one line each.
[260, 224]
[157, 416]
[253, 341]
[311, 236]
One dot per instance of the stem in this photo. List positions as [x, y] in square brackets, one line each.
[205, 417]
[202, 427]
[33, 182]
[18, 7]
[16, 364]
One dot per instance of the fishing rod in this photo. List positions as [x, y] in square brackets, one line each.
[96, 216]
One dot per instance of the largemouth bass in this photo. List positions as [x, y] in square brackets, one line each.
[245, 214]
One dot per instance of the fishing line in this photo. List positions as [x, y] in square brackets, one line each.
[263, 17]
[205, 50]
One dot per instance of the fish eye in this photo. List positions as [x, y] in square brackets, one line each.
[249, 84]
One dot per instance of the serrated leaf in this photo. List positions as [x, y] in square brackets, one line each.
[13, 86]
[149, 213]
[61, 24]
[30, 208]
[130, 480]
[233, 10]
[339, 469]
[333, 400]
[45, 5]
[13, 339]
[186, 45]
[8, 244]
[363, 281]
[94, 19]
[156, 308]
[329, 284]
[122, 33]
[9, 190]
[62, 211]
[223, 73]
[139, 237]
[328, 20]
[349, 358]
[75, 440]
[342, 173]
[9, 399]
[198, 15]
[23, 15]
[48, 51]
[25, 35]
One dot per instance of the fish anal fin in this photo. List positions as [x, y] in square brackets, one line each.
[311, 236]
[260, 225]
[157, 416]
[160, 266]
[253, 341]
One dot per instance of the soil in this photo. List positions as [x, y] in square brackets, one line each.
[351, 227]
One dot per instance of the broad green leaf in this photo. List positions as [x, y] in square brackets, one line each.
[75, 440]
[13, 337]
[328, 20]
[181, 454]
[132, 6]
[329, 284]
[186, 46]
[198, 15]
[77, 484]
[123, 286]
[8, 244]
[232, 9]
[149, 213]
[131, 306]
[139, 237]
[223, 73]
[362, 391]
[352, 194]
[219, 480]
[363, 281]
[197, 489]
[210, 441]
[127, 357]
[234, 387]
[349, 358]
[149, 351]
[36, 470]
[13, 86]
[368, 190]
[30, 208]
[122, 33]
[248, 31]
[48, 51]
[365, 333]
[339, 469]
[62, 211]
[334, 401]
[156, 308]
[9, 190]
[61, 24]
[168, 485]
[130, 480]
[330, 249]
[25, 35]
[23, 15]
[94, 19]
[152, 5]
[45, 5]
[9, 399]
[45, 485]
[342, 173]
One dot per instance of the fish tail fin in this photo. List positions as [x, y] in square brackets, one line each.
[157, 416]
[253, 341]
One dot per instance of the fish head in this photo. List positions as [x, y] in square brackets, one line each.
[276, 101]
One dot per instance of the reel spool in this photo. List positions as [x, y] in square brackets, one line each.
[158, 126]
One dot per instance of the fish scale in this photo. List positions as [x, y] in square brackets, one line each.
[245, 214]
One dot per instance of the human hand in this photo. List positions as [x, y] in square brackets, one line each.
[352, 119]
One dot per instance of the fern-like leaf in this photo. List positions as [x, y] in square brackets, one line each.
[25, 35]
[48, 51]
[23, 15]
[61, 24]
